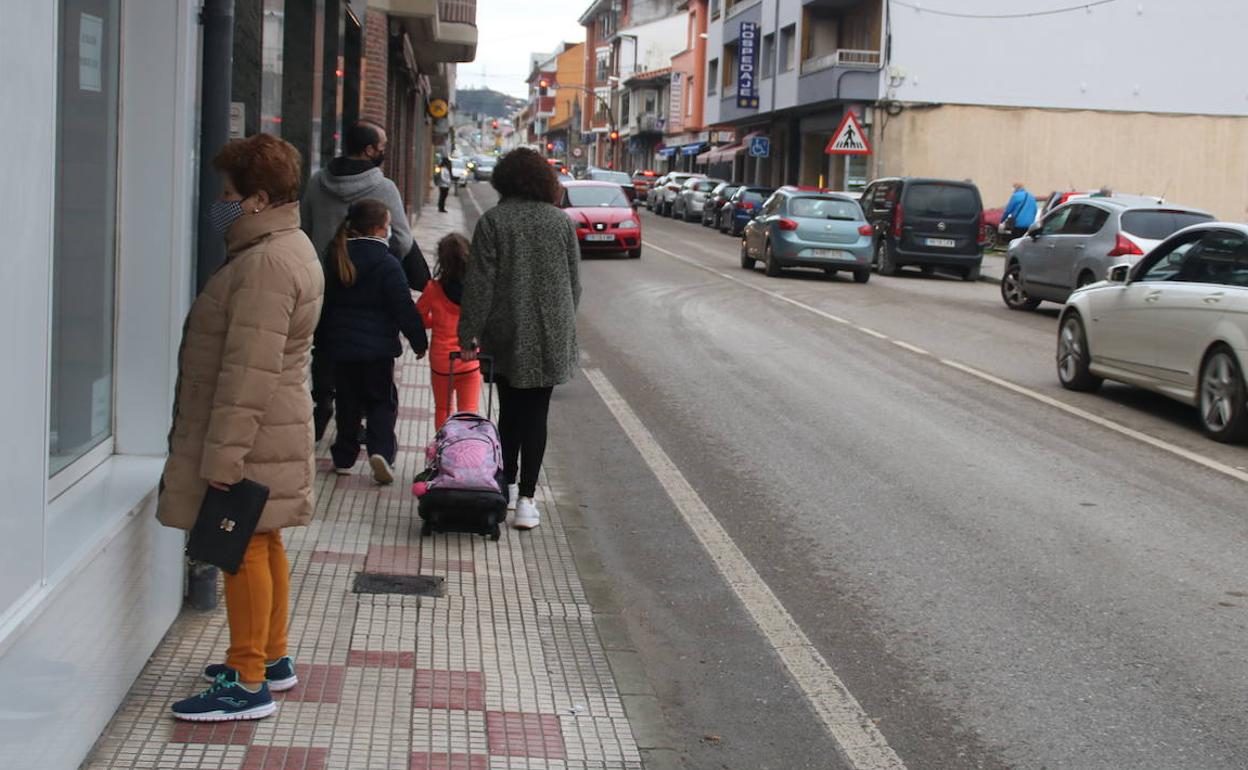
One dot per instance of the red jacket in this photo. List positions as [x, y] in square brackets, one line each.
[441, 317]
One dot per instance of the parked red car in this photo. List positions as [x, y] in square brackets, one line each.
[604, 218]
[642, 182]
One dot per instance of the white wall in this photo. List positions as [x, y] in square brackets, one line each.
[89, 582]
[1136, 55]
[657, 42]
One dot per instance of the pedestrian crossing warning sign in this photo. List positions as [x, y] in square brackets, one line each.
[849, 139]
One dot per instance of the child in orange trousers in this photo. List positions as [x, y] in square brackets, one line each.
[439, 308]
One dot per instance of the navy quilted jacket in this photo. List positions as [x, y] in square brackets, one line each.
[361, 322]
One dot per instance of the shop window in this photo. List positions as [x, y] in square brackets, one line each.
[85, 237]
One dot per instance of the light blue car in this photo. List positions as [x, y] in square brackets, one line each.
[809, 227]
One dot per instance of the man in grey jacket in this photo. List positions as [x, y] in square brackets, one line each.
[351, 177]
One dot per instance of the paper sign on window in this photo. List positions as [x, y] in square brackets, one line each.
[90, 53]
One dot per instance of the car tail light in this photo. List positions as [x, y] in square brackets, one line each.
[899, 217]
[786, 224]
[865, 230]
[745, 205]
[1124, 247]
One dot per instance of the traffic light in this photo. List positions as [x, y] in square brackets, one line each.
[615, 136]
[550, 147]
[494, 124]
[542, 85]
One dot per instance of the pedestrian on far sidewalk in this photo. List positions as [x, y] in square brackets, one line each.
[439, 309]
[352, 177]
[1019, 214]
[443, 178]
[243, 411]
[519, 306]
[367, 304]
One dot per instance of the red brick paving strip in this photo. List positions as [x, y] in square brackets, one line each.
[513, 734]
[318, 683]
[438, 761]
[284, 758]
[440, 689]
[214, 733]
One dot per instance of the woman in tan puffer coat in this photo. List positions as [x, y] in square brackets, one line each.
[243, 411]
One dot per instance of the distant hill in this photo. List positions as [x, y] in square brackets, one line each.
[487, 102]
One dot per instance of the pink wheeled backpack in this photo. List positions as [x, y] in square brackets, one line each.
[464, 488]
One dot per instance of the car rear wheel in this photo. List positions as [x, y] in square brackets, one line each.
[1073, 356]
[747, 262]
[1223, 412]
[1012, 292]
[1084, 279]
[862, 275]
[634, 253]
[770, 263]
[884, 259]
[971, 273]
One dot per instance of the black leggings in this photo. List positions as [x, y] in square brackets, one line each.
[522, 428]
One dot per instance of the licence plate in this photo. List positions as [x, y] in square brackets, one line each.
[944, 243]
[830, 254]
[599, 237]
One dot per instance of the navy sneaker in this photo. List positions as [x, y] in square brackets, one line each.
[226, 701]
[280, 675]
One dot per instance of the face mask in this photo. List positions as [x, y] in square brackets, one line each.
[389, 233]
[222, 214]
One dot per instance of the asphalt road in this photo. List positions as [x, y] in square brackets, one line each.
[999, 582]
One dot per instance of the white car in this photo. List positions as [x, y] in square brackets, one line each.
[666, 197]
[1175, 323]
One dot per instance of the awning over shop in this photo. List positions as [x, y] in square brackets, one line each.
[665, 152]
[693, 149]
[729, 152]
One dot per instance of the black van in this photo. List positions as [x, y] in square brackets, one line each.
[929, 223]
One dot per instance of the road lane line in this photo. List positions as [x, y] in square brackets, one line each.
[862, 745]
[912, 348]
[1073, 411]
[473, 198]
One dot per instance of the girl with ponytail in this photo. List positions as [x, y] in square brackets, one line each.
[367, 304]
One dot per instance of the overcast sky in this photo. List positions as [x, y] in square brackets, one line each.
[509, 30]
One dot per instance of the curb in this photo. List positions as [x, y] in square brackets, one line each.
[645, 715]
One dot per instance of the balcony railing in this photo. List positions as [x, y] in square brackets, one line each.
[649, 123]
[458, 11]
[844, 57]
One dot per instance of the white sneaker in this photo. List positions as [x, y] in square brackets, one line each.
[343, 471]
[513, 494]
[527, 515]
[382, 472]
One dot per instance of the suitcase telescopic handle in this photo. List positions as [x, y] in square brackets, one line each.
[482, 360]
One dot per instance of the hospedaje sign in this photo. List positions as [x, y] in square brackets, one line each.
[747, 66]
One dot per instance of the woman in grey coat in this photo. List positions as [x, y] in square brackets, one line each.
[519, 306]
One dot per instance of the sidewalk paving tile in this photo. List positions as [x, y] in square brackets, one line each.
[503, 671]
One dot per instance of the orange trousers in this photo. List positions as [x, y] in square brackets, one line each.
[467, 395]
[257, 604]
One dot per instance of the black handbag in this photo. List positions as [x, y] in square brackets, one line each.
[226, 522]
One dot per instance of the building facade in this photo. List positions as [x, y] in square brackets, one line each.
[974, 95]
[105, 219]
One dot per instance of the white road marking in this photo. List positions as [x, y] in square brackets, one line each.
[1157, 443]
[862, 745]
[473, 198]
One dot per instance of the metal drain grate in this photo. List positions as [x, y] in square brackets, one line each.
[418, 585]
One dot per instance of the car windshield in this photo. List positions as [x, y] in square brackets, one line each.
[619, 177]
[612, 197]
[487, 162]
[941, 200]
[457, 164]
[825, 208]
[753, 196]
[706, 185]
[727, 192]
[1159, 225]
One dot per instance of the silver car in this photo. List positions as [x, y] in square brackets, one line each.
[667, 193]
[1078, 243]
[692, 196]
[1176, 323]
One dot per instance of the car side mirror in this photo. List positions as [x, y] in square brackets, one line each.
[1119, 273]
[1034, 231]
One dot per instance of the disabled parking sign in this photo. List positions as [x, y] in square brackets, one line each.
[760, 147]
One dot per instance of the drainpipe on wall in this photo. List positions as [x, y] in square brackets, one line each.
[217, 20]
